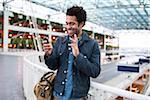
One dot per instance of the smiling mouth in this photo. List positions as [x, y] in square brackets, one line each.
[70, 31]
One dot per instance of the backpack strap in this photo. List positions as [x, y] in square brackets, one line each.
[46, 77]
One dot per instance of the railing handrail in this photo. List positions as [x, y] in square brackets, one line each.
[35, 65]
[119, 91]
[105, 88]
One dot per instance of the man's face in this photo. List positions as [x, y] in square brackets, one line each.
[72, 25]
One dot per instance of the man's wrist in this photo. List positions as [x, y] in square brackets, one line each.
[76, 55]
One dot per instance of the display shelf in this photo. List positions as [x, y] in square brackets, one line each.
[100, 39]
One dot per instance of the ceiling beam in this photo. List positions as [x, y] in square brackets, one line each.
[120, 6]
[138, 13]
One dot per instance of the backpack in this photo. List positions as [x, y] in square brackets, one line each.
[43, 90]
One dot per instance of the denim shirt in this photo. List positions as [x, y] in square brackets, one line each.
[69, 80]
[86, 65]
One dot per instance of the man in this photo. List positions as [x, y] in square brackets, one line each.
[76, 58]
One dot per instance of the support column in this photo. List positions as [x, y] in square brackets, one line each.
[5, 28]
[104, 42]
[49, 35]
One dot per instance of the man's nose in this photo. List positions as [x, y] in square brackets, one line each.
[68, 27]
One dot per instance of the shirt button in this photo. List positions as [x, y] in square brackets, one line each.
[65, 71]
[85, 57]
[65, 80]
[60, 93]
[60, 54]
[69, 62]
[69, 48]
[62, 83]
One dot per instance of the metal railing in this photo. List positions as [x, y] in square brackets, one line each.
[33, 71]
[105, 92]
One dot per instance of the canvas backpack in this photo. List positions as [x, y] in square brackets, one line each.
[43, 90]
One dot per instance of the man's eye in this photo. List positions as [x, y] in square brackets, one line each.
[71, 23]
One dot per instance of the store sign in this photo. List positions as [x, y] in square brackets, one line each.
[128, 68]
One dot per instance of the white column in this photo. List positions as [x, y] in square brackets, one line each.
[50, 35]
[5, 28]
[104, 42]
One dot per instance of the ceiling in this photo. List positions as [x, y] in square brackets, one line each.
[112, 14]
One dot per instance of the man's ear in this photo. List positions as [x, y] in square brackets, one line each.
[81, 24]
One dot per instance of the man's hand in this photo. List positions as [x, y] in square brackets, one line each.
[47, 48]
[74, 45]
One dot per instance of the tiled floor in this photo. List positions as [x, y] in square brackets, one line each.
[11, 78]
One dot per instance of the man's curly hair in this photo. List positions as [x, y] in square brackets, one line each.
[77, 11]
